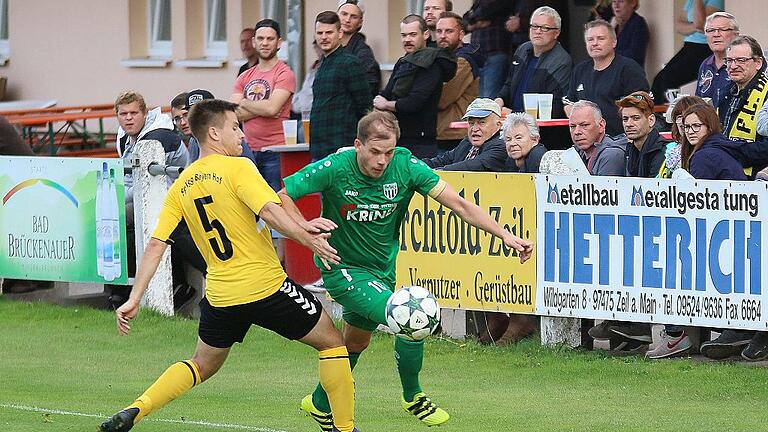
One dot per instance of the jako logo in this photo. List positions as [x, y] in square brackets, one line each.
[553, 197]
[46, 182]
[637, 197]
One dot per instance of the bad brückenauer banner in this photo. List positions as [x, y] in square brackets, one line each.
[62, 219]
[464, 267]
[681, 252]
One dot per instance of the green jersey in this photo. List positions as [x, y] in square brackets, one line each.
[368, 211]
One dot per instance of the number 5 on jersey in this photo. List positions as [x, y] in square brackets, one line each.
[210, 225]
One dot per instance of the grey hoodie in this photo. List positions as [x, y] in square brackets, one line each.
[157, 126]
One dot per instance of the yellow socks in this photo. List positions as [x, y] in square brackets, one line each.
[174, 382]
[336, 379]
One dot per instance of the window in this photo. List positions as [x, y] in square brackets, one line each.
[288, 13]
[216, 28]
[5, 49]
[415, 7]
[160, 28]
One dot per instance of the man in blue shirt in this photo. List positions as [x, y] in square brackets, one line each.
[720, 28]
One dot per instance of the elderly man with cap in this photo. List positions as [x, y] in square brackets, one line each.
[180, 106]
[483, 148]
[263, 94]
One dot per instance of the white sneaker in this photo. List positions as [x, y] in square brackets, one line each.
[670, 346]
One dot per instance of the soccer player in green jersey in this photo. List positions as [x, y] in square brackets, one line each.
[366, 192]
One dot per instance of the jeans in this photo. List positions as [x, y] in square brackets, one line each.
[493, 74]
[268, 164]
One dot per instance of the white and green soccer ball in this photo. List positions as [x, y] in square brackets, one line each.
[412, 313]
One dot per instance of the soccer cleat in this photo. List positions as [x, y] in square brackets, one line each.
[425, 410]
[324, 419]
[603, 331]
[120, 422]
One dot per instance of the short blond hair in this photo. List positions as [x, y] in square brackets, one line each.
[130, 96]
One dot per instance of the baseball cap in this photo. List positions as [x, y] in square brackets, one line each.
[481, 108]
[270, 23]
[358, 3]
[195, 96]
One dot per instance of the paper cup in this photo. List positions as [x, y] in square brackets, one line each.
[531, 104]
[290, 130]
[545, 106]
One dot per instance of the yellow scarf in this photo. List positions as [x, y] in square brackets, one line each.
[744, 126]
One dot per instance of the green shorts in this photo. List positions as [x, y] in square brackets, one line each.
[363, 296]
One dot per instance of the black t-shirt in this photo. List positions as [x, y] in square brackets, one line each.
[245, 67]
[605, 87]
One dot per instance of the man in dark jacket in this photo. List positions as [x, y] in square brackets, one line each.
[351, 16]
[539, 66]
[414, 89]
[645, 156]
[483, 149]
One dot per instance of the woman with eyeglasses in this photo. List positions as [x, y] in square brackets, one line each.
[674, 151]
[711, 152]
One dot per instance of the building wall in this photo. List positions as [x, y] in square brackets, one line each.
[71, 51]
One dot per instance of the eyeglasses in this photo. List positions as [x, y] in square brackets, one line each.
[693, 127]
[177, 119]
[717, 30]
[543, 29]
[741, 61]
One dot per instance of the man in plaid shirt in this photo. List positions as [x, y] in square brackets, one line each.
[486, 20]
[341, 93]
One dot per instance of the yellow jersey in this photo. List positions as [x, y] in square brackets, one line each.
[220, 197]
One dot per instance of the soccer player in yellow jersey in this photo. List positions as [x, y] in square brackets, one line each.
[228, 205]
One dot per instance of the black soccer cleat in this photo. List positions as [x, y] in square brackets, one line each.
[120, 422]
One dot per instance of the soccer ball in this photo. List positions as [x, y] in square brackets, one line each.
[412, 313]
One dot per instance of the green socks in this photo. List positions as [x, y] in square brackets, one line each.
[409, 357]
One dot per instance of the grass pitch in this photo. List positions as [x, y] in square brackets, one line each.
[70, 362]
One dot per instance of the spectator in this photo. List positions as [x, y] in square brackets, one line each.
[462, 88]
[351, 15]
[522, 140]
[302, 99]
[606, 77]
[11, 144]
[431, 14]
[673, 154]
[413, 90]
[602, 155]
[539, 66]
[680, 69]
[341, 95]
[632, 32]
[486, 20]
[746, 93]
[137, 124]
[180, 106]
[264, 94]
[603, 9]
[248, 49]
[646, 154]
[482, 149]
[712, 158]
[720, 29]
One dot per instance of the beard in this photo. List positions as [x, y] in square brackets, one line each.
[269, 57]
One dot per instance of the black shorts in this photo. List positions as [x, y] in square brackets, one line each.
[291, 312]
